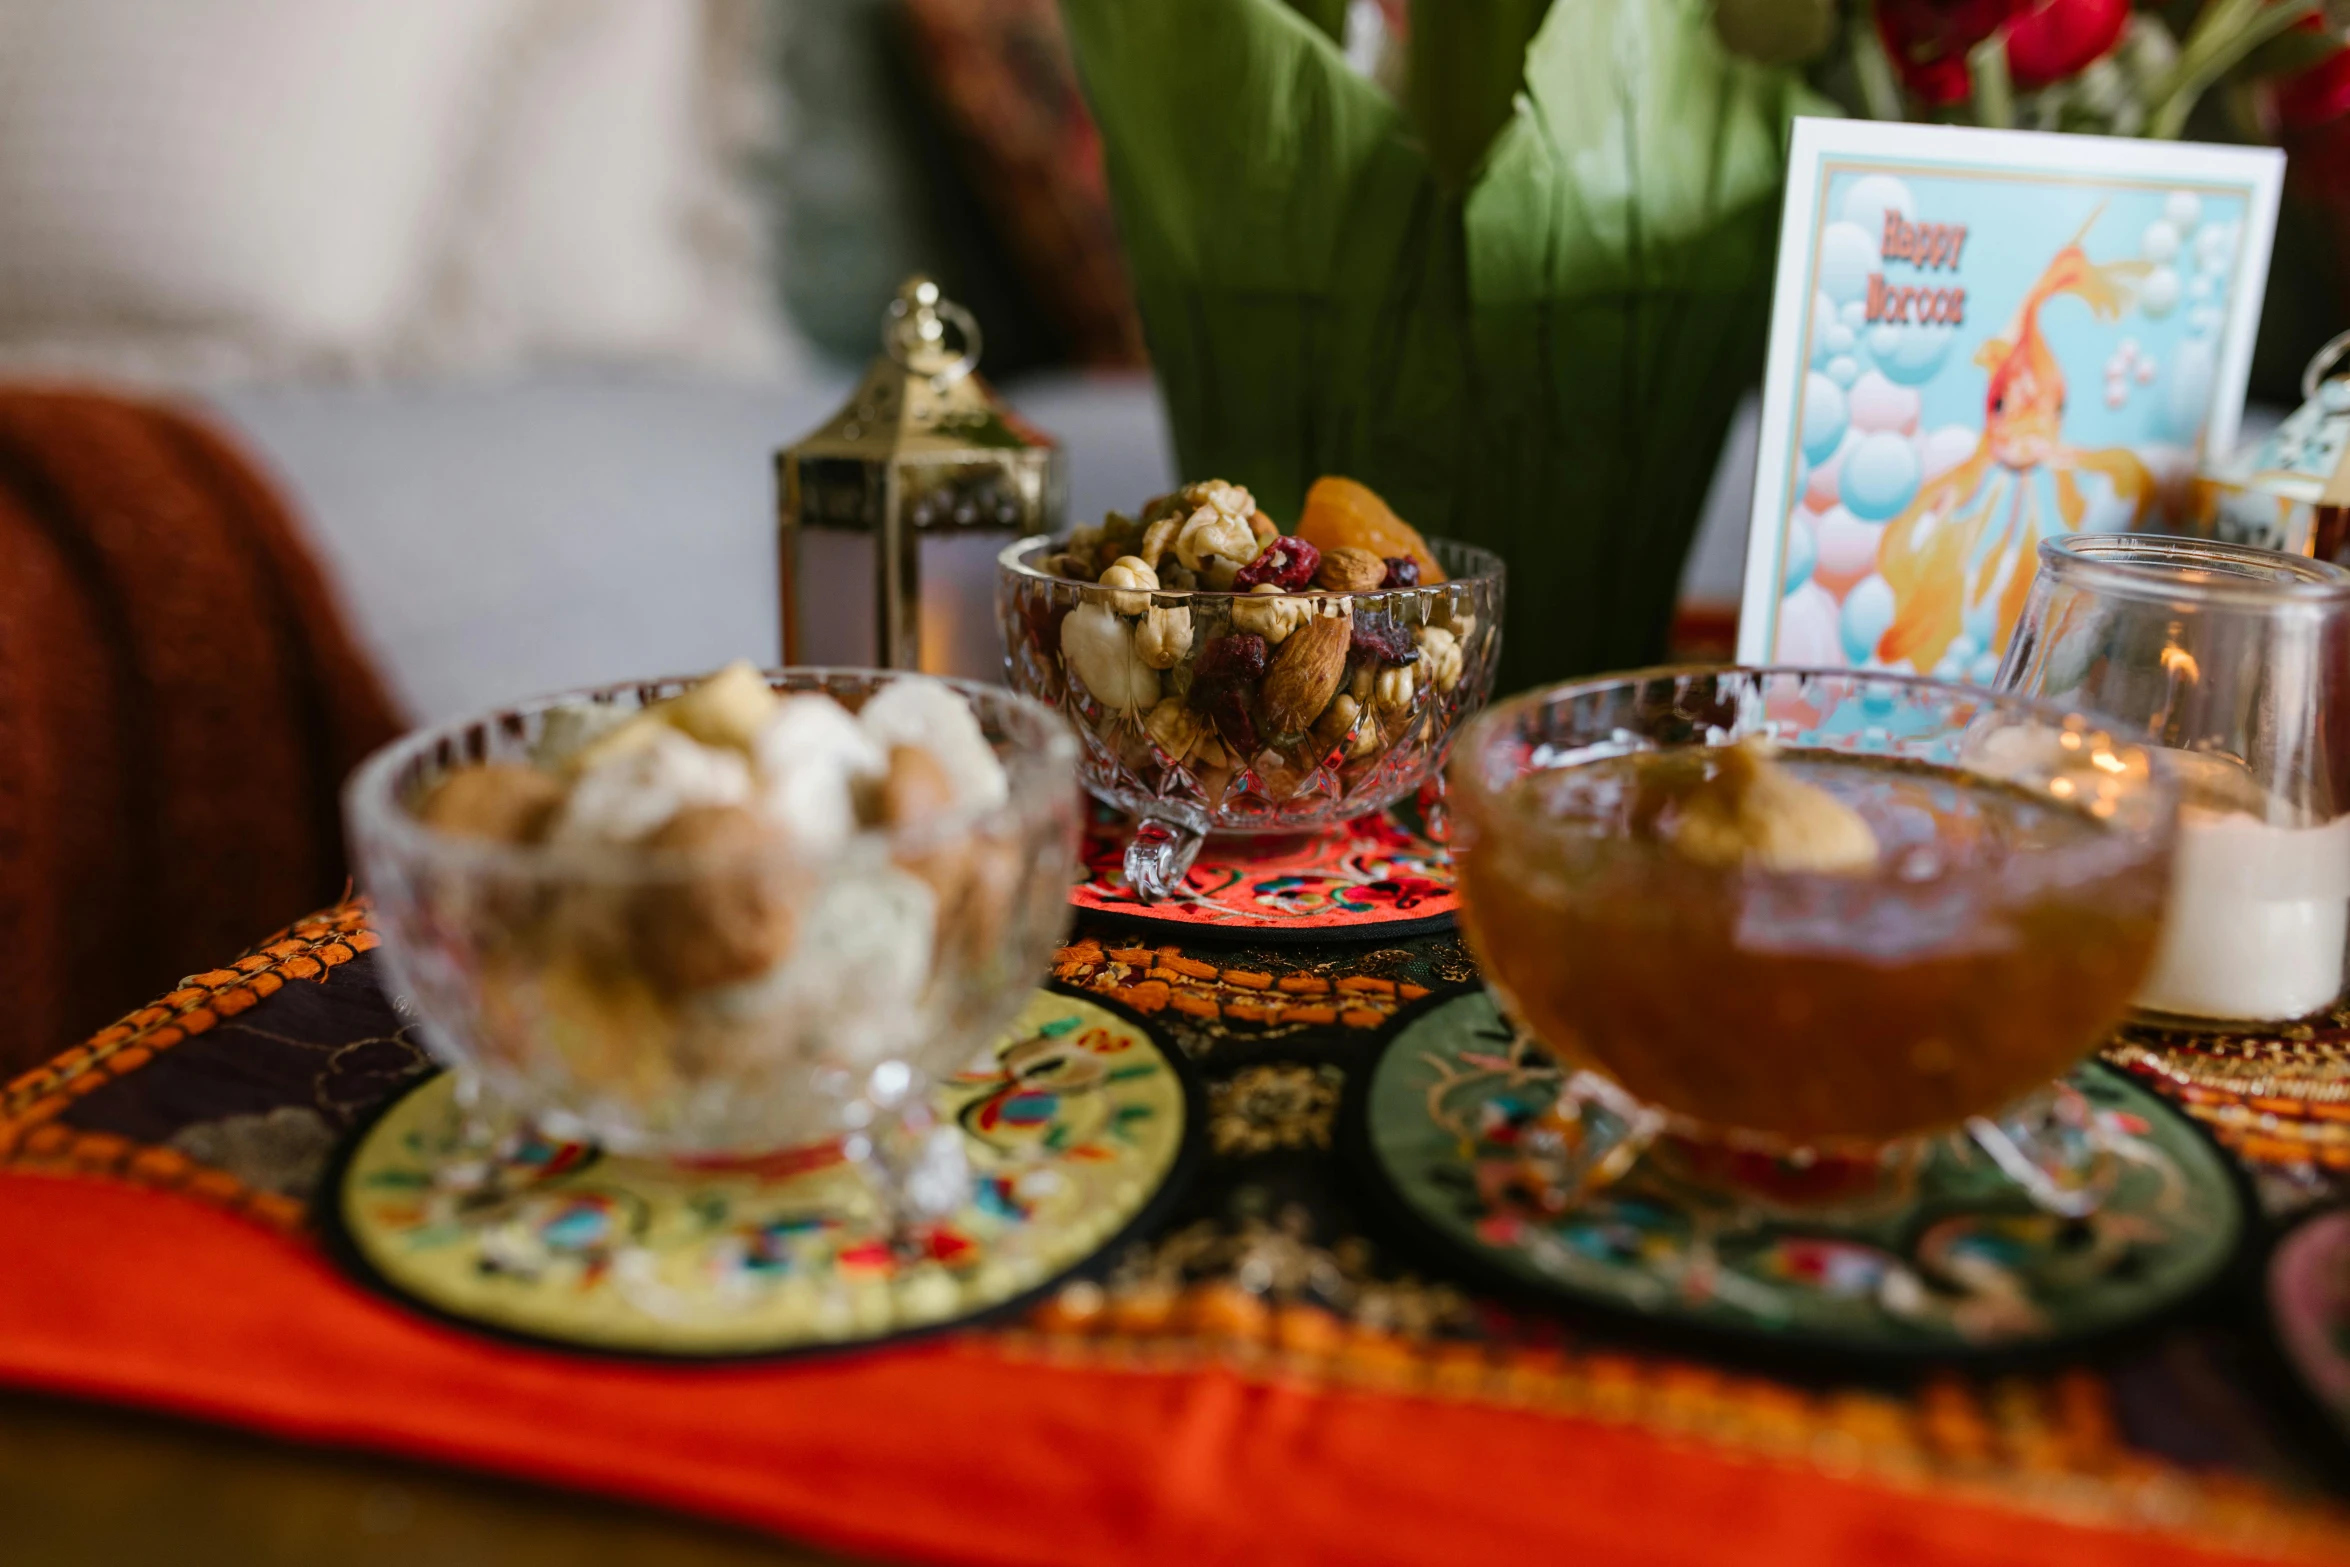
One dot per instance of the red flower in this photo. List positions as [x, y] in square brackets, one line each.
[2058, 38]
[2047, 40]
[1929, 40]
[2312, 97]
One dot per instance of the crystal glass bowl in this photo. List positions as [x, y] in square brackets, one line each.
[1187, 729]
[2023, 858]
[563, 980]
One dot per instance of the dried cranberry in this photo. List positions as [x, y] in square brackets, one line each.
[1227, 707]
[1402, 572]
[1239, 657]
[1287, 563]
[1044, 613]
[1380, 640]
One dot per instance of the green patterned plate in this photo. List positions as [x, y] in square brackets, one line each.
[1942, 1255]
[1077, 1131]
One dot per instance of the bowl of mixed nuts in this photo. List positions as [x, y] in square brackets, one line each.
[729, 916]
[1226, 676]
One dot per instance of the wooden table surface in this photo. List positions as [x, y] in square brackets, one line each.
[84, 1486]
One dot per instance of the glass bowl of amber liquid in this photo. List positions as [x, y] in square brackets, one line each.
[1811, 915]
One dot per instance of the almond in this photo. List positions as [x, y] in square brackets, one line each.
[1348, 569]
[1305, 673]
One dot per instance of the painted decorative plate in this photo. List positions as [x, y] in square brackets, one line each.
[1383, 875]
[1077, 1128]
[1937, 1254]
[2309, 1308]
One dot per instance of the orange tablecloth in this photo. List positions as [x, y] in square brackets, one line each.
[1217, 1429]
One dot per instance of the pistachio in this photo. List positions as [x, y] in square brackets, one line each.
[1263, 527]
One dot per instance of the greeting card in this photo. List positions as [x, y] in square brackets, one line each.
[1979, 339]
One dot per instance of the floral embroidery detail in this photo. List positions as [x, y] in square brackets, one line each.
[1281, 1105]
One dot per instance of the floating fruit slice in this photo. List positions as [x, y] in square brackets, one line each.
[1340, 512]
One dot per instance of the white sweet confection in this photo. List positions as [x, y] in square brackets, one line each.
[626, 797]
[729, 708]
[852, 986]
[925, 713]
[813, 757]
[571, 727]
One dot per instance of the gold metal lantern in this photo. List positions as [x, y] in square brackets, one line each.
[894, 510]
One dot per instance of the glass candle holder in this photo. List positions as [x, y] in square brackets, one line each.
[2233, 660]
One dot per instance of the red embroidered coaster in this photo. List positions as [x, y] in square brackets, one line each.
[1382, 875]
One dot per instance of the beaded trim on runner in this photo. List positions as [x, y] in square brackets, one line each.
[30, 1138]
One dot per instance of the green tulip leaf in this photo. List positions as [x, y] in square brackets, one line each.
[1544, 362]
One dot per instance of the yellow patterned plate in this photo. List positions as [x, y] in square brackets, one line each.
[1077, 1128]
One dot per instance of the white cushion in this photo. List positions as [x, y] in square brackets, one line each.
[261, 187]
[607, 216]
[495, 540]
[180, 176]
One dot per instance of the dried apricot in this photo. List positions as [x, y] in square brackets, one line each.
[1341, 512]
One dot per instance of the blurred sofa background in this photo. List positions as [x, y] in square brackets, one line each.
[515, 298]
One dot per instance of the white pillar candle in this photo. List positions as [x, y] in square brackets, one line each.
[2259, 914]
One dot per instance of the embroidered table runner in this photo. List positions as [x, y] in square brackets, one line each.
[1270, 1376]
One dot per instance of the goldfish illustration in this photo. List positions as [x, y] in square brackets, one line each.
[1963, 550]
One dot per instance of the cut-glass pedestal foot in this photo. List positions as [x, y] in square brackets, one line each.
[1159, 856]
[1591, 1139]
[2052, 1146]
[914, 1163]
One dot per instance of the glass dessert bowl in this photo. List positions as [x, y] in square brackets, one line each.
[1812, 914]
[722, 919]
[1315, 687]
